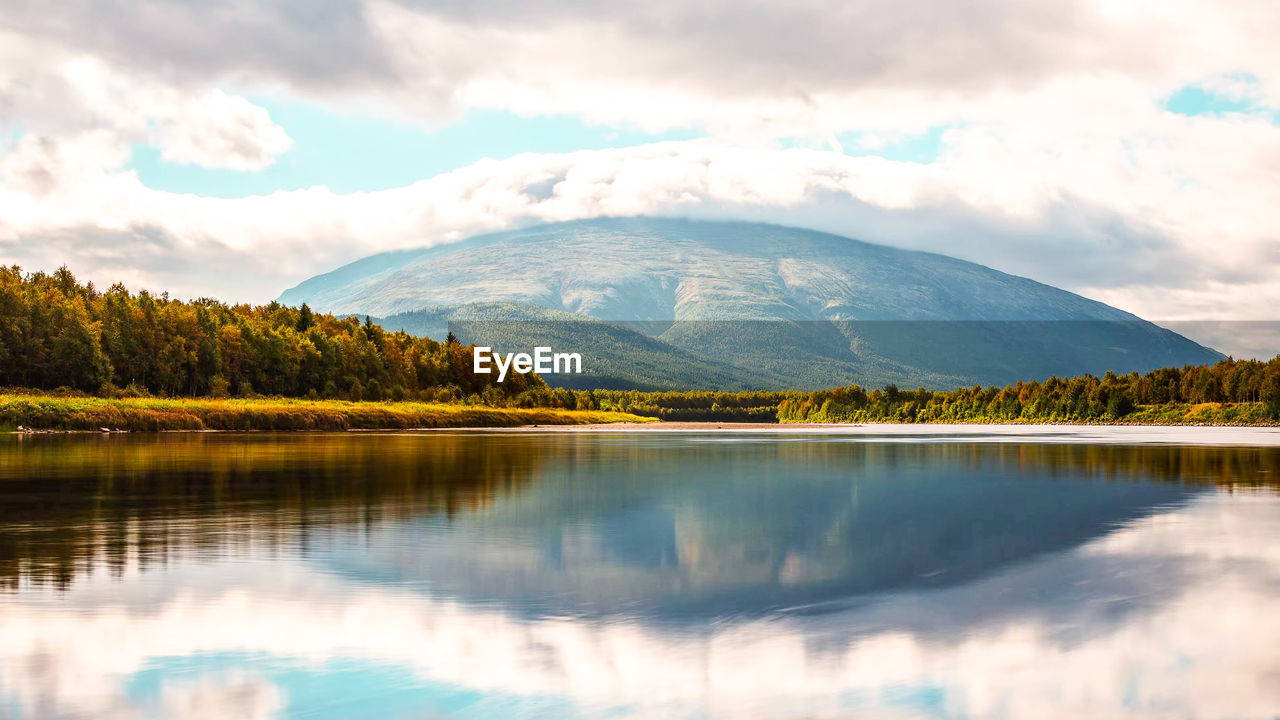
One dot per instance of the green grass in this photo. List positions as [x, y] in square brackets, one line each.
[1236, 414]
[48, 412]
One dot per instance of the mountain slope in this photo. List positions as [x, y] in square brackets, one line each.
[613, 357]
[804, 308]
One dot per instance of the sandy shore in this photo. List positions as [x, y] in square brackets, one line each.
[665, 426]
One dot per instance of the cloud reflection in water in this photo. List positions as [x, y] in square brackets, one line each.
[1172, 614]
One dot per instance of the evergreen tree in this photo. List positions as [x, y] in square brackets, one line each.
[305, 318]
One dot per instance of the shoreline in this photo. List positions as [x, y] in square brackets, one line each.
[38, 414]
[558, 420]
[1261, 436]
[983, 433]
[701, 425]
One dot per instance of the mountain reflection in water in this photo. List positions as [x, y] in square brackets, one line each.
[593, 575]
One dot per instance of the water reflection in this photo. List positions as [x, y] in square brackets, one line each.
[499, 575]
[66, 501]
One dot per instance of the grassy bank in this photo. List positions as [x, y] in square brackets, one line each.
[1236, 414]
[46, 412]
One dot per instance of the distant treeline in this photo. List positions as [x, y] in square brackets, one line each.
[1078, 399]
[756, 406]
[688, 406]
[56, 332]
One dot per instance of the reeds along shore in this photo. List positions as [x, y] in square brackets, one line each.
[47, 412]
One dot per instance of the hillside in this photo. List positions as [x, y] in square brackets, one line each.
[801, 309]
[614, 357]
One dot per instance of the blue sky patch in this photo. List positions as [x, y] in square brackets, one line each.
[922, 148]
[363, 153]
[1195, 101]
[342, 688]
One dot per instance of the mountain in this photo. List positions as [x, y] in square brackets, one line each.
[613, 357]
[790, 307]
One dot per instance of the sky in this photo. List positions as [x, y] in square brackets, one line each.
[1127, 150]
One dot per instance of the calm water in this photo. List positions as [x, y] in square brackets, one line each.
[652, 575]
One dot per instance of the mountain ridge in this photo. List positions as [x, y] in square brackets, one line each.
[370, 273]
[818, 308]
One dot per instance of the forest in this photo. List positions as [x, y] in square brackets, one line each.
[670, 406]
[1253, 384]
[58, 333]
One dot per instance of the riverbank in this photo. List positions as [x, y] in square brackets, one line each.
[970, 433]
[1241, 414]
[38, 412]
[47, 412]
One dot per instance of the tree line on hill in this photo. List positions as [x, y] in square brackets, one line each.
[672, 406]
[1078, 399]
[56, 332]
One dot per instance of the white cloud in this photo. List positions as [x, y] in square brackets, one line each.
[1162, 245]
[811, 64]
[219, 130]
[59, 96]
[1058, 161]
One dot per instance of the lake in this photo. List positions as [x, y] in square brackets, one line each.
[882, 572]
